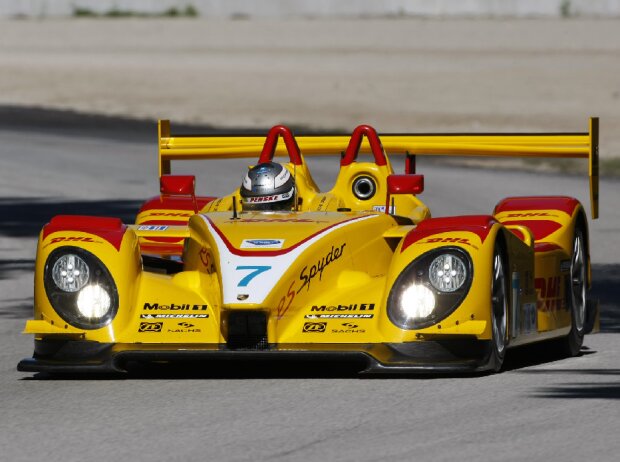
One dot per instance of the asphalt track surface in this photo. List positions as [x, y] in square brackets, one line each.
[541, 407]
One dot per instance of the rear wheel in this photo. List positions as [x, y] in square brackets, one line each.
[499, 309]
[571, 344]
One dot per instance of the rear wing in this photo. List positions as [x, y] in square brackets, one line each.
[524, 145]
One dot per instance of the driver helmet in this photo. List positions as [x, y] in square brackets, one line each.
[268, 186]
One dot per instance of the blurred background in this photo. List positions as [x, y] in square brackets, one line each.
[82, 84]
[400, 65]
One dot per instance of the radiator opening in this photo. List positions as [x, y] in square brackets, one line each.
[247, 330]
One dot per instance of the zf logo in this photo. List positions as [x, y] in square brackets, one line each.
[315, 327]
[150, 326]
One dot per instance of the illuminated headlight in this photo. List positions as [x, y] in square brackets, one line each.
[417, 302]
[93, 302]
[430, 288]
[80, 288]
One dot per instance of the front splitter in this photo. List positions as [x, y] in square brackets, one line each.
[426, 357]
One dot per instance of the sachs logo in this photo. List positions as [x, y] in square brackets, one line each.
[349, 328]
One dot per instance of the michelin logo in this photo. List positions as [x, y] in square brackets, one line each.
[341, 311]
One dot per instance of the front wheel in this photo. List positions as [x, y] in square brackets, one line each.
[499, 309]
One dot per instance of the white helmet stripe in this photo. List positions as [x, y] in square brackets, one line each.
[247, 182]
[282, 177]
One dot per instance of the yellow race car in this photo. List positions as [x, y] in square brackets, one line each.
[279, 268]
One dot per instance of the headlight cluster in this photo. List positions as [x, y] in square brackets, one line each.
[430, 288]
[80, 288]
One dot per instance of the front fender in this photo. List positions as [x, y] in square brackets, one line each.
[114, 244]
[475, 235]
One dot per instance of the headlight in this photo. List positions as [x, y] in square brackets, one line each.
[80, 288]
[417, 301]
[430, 288]
[93, 302]
[447, 273]
[70, 273]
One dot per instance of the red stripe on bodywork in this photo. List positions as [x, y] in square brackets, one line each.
[540, 228]
[546, 247]
[562, 203]
[478, 224]
[163, 222]
[109, 229]
[174, 203]
[161, 249]
[270, 253]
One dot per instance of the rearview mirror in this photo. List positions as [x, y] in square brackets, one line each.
[403, 184]
[177, 185]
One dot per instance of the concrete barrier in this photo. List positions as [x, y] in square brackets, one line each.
[312, 8]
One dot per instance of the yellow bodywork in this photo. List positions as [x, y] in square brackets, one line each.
[329, 264]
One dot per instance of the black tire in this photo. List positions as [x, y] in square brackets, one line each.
[499, 309]
[571, 344]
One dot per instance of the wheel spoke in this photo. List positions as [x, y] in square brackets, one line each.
[578, 280]
[498, 302]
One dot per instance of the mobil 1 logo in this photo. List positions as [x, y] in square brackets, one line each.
[352, 311]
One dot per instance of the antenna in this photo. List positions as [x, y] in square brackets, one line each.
[294, 187]
[235, 217]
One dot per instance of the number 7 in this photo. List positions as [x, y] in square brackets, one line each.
[256, 270]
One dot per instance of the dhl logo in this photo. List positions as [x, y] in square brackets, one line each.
[72, 239]
[276, 220]
[529, 214]
[170, 214]
[449, 240]
[549, 294]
